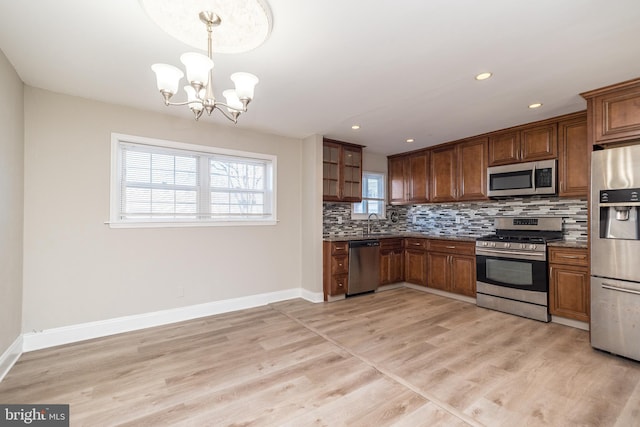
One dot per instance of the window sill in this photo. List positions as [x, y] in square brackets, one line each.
[161, 224]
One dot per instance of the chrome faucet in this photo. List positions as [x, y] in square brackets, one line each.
[369, 221]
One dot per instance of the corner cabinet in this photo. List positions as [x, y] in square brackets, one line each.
[569, 285]
[574, 152]
[614, 112]
[408, 178]
[523, 145]
[451, 266]
[342, 171]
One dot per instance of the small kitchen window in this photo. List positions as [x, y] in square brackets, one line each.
[157, 183]
[373, 197]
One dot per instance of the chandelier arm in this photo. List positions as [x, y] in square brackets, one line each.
[233, 118]
[183, 103]
[218, 104]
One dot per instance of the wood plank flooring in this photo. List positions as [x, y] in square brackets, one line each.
[400, 357]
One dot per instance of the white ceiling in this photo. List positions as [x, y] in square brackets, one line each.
[398, 68]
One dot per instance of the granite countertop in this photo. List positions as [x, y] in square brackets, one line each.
[402, 235]
[568, 244]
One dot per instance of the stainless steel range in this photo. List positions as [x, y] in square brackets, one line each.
[512, 269]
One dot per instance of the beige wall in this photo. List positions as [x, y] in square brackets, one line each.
[311, 173]
[77, 269]
[11, 194]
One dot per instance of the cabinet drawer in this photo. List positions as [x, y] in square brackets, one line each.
[339, 264]
[449, 246]
[386, 244]
[415, 243]
[339, 284]
[568, 256]
[339, 248]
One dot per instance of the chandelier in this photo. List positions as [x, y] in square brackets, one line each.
[199, 70]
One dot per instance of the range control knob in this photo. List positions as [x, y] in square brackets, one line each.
[523, 246]
[533, 247]
[507, 245]
[493, 244]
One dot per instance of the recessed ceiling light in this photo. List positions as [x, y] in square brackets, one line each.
[483, 76]
[410, 140]
[535, 105]
[355, 127]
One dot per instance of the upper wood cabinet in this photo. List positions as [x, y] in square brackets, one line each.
[408, 175]
[573, 157]
[342, 171]
[459, 171]
[523, 145]
[614, 112]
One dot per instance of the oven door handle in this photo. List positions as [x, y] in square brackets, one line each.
[507, 253]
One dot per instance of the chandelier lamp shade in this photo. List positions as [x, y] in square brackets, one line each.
[199, 75]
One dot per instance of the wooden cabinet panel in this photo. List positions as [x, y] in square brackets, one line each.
[439, 270]
[525, 145]
[463, 275]
[335, 268]
[539, 143]
[418, 175]
[504, 148]
[569, 292]
[573, 158]
[472, 170]
[342, 171]
[615, 111]
[444, 174]
[569, 287]
[451, 266]
[408, 178]
[415, 261]
[396, 188]
[391, 261]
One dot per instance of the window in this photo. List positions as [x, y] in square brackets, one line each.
[373, 197]
[163, 183]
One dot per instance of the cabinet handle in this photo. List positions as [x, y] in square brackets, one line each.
[340, 285]
[450, 247]
[573, 256]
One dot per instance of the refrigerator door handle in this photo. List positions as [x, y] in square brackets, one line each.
[616, 288]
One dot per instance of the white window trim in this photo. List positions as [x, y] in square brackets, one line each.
[116, 176]
[358, 216]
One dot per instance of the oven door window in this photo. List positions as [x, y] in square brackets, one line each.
[513, 273]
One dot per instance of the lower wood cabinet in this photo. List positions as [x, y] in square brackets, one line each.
[415, 261]
[569, 283]
[335, 266]
[391, 261]
[451, 266]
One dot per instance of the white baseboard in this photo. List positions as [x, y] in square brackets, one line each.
[85, 331]
[10, 357]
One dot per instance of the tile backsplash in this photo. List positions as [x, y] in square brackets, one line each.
[471, 219]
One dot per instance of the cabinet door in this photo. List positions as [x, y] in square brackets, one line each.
[443, 174]
[418, 177]
[352, 174]
[569, 292]
[539, 143]
[439, 268]
[331, 171]
[504, 148]
[415, 267]
[385, 267]
[397, 266]
[472, 170]
[398, 193]
[463, 275]
[573, 158]
[617, 114]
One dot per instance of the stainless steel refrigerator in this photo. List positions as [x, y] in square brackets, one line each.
[615, 250]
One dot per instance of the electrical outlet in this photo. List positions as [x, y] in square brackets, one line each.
[339, 220]
[458, 220]
[180, 291]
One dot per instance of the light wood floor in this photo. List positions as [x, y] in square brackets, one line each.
[400, 357]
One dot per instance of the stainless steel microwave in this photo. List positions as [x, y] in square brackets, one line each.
[522, 179]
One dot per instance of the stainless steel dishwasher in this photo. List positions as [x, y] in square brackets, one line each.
[364, 266]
